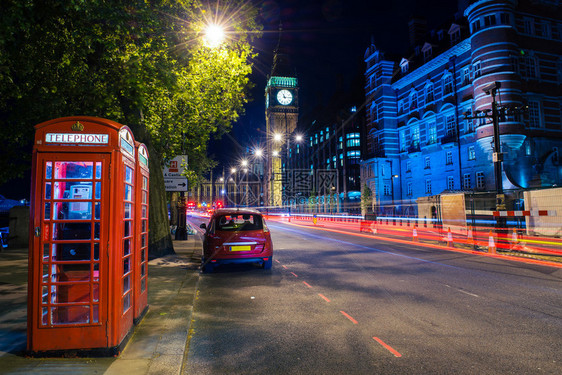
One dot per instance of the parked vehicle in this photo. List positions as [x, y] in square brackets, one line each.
[236, 236]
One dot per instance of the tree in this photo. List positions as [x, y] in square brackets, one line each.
[140, 63]
[366, 200]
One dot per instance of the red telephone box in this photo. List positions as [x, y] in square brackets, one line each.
[141, 255]
[82, 246]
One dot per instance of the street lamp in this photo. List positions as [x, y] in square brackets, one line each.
[214, 35]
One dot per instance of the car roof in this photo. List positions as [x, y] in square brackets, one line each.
[235, 211]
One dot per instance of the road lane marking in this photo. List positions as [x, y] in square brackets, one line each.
[324, 297]
[277, 261]
[307, 284]
[349, 317]
[387, 347]
[294, 274]
[284, 266]
[463, 291]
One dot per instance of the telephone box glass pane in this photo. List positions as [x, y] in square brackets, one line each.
[96, 252]
[127, 225]
[70, 314]
[47, 190]
[127, 210]
[70, 272]
[95, 314]
[71, 252]
[72, 231]
[98, 190]
[126, 265]
[126, 247]
[126, 302]
[74, 169]
[47, 211]
[144, 182]
[128, 192]
[98, 170]
[49, 170]
[126, 284]
[128, 174]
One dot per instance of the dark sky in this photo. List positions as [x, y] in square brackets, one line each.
[326, 41]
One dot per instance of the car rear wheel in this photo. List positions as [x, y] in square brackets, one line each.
[208, 268]
[268, 263]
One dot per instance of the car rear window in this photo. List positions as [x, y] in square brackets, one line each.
[239, 222]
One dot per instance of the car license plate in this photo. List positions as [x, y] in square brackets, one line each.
[241, 248]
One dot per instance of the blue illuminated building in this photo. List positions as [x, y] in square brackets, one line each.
[419, 142]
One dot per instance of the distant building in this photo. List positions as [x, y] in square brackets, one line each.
[419, 142]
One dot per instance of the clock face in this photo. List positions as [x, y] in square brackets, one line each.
[284, 97]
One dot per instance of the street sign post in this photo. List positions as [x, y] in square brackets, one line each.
[175, 183]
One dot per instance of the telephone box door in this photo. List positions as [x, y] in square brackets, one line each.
[69, 256]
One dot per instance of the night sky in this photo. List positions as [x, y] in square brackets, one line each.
[326, 41]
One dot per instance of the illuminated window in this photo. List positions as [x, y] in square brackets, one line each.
[471, 153]
[356, 154]
[480, 182]
[432, 133]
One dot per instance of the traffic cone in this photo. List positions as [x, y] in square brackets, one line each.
[415, 234]
[514, 238]
[470, 237]
[449, 238]
[491, 244]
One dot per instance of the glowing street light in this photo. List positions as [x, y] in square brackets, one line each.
[214, 35]
[299, 138]
[258, 152]
[277, 137]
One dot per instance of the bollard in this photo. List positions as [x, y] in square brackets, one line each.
[415, 234]
[449, 238]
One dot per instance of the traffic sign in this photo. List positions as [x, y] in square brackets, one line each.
[175, 183]
[175, 167]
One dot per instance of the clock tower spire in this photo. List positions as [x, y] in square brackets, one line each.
[281, 116]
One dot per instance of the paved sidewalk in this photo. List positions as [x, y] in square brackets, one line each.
[158, 343]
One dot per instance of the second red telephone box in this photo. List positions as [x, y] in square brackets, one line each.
[83, 243]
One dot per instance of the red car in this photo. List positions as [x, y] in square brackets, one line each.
[236, 236]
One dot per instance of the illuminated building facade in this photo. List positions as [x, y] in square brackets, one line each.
[422, 137]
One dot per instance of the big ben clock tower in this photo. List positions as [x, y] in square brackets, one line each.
[281, 116]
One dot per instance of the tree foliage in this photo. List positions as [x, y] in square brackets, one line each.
[141, 63]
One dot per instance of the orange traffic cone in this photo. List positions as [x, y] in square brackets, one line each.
[470, 237]
[415, 234]
[450, 238]
[491, 244]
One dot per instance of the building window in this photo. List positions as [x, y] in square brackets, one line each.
[427, 162]
[449, 158]
[451, 129]
[404, 66]
[413, 100]
[386, 189]
[429, 93]
[490, 20]
[408, 166]
[402, 141]
[416, 136]
[534, 114]
[410, 190]
[471, 153]
[528, 26]
[432, 133]
[480, 182]
[466, 76]
[355, 154]
[528, 67]
[427, 54]
[469, 128]
[447, 84]
[353, 142]
[466, 183]
[475, 26]
[504, 18]
[450, 183]
[428, 186]
[476, 69]
[455, 36]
